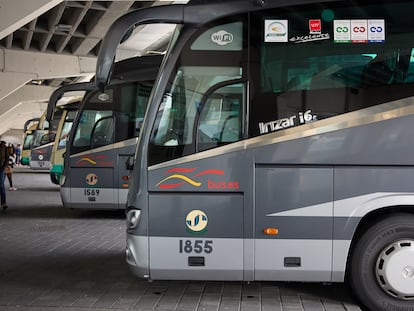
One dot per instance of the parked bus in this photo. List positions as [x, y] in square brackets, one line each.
[104, 135]
[42, 144]
[28, 133]
[277, 145]
[61, 123]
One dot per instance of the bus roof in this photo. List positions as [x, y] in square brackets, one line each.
[196, 12]
[126, 70]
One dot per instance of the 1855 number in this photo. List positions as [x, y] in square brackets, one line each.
[197, 246]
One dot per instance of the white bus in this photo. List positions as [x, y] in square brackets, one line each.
[61, 123]
[278, 145]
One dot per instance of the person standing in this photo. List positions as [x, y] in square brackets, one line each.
[10, 149]
[18, 154]
[9, 173]
[4, 160]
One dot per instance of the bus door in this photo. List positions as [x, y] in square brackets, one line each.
[197, 212]
[59, 147]
[293, 85]
[129, 111]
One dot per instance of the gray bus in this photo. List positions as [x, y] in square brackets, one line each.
[42, 145]
[278, 145]
[104, 134]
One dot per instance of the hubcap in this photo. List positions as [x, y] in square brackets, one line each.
[395, 269]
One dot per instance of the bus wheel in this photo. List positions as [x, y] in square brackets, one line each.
[382, 265]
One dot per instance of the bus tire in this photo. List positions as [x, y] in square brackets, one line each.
[382, 265]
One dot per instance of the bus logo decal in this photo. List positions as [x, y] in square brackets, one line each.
[315, 26]
[91, 179]
[276, 31]
[280, 124]
[184, 179]
[222, 37]
[196, 221]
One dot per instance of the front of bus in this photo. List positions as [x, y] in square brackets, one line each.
[142, 242]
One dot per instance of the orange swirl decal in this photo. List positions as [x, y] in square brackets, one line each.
[87, 160]
[178, 176]
[184, 179]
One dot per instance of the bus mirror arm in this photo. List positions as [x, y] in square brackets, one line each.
[121, 29]
[58, 94]
[129, 163]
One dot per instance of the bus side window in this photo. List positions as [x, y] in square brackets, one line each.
[220, 119]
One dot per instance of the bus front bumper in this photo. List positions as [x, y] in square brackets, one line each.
[137, 255]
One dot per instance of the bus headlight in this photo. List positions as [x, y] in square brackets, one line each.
[132, 218]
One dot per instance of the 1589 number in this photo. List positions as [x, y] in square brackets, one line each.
[91, 192]
[197, 246]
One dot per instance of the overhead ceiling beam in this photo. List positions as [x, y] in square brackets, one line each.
[29, 34]
[9, 41]
[20, 67]
[96, 29]
[54, 19]
[77, 19]
[23, 105]
[14, 15]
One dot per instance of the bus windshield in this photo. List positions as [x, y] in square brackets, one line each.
[100, 117]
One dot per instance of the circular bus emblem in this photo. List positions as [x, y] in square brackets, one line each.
[91, 179]
[196, 221]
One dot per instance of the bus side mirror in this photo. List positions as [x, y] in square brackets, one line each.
[129, 163]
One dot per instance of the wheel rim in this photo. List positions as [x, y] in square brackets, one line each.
[395, 269]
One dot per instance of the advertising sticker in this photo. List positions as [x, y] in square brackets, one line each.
[276, 30]
[342, 31]
[359, 31]
[376, 30]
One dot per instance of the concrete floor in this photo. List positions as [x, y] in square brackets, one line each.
[53, 258]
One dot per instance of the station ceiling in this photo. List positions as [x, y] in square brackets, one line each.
[67, 29]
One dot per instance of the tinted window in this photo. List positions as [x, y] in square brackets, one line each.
[97, 106]
[312, 63]
[205, 91]
[131, 109]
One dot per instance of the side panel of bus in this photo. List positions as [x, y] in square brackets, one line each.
[298, 122]
[90, 180]
[302, 248]
[40, 157]
[96, 179]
